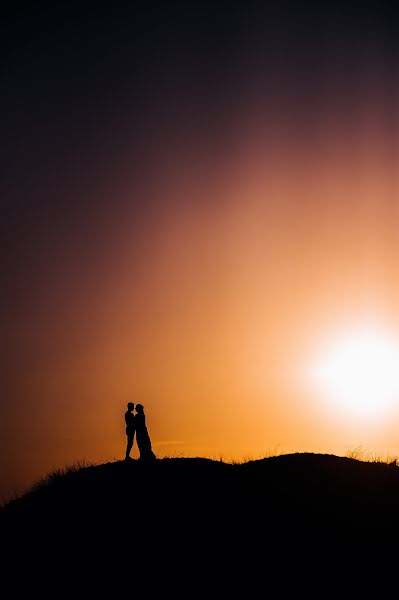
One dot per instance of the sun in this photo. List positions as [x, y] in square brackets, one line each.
[359, 373]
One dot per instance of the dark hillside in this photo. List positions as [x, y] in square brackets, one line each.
[317, 493]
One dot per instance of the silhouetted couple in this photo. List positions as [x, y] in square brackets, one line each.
[135, 423]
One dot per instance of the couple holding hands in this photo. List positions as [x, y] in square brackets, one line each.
[135, 423]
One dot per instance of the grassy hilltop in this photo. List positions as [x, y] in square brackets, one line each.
[326, 497]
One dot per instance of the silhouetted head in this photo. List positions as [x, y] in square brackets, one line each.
[130, 406]
[139, 408]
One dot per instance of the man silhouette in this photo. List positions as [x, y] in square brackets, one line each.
[130, 428]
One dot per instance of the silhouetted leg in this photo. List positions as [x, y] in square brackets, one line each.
[129, 446]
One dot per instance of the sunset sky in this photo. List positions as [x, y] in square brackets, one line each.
[197, 199]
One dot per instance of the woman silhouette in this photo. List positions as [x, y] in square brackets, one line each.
[142, 437]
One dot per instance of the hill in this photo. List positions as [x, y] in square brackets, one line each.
[323, 497]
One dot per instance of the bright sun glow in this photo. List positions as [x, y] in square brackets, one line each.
[360, 374]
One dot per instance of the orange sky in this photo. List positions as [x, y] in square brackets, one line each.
[193, 251]
[211, 317]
